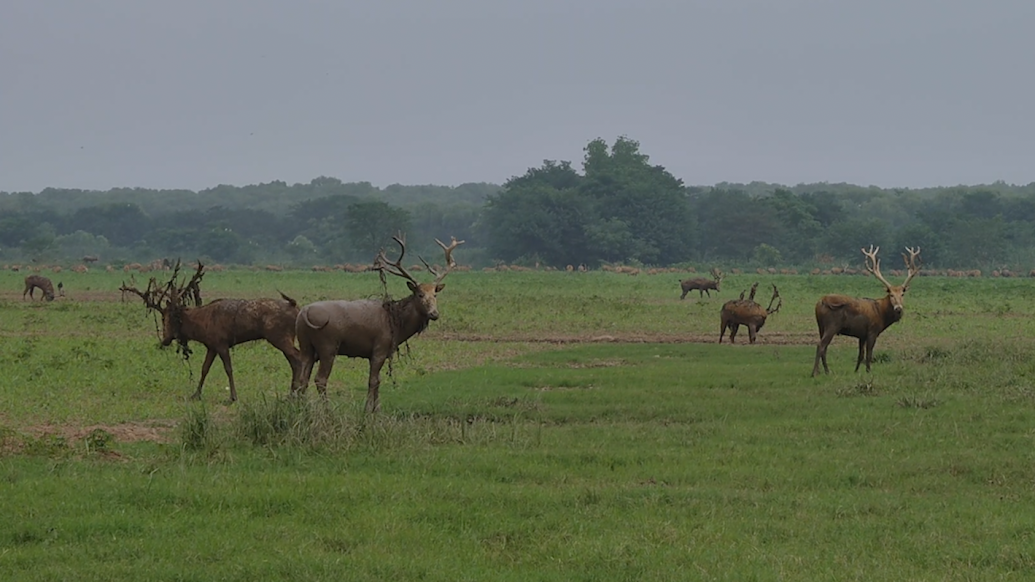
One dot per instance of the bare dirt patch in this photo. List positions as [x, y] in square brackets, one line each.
[157, 431]
[775, 338]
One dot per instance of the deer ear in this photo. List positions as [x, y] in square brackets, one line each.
[440, 287]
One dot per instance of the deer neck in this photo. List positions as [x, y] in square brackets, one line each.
[887, 311]
[405, 318]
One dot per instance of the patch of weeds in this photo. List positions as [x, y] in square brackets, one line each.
[860, 389]
[882, 358]
[99, 441]
[934, 354]
[49, 445]
[293, 421]
[196, 429]
[917, 402]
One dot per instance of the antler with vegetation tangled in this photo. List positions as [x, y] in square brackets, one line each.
[170, 293]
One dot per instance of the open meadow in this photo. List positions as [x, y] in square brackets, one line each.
[550, 426]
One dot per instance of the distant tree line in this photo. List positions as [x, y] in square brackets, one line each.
[618, 209]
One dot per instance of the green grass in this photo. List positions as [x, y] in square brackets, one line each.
[504, 457]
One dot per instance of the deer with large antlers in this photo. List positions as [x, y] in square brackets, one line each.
[862, 318]
[738, 312]
[372, 329]
[221, 324]
[702, 284]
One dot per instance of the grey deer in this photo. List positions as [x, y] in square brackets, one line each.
[367, 328]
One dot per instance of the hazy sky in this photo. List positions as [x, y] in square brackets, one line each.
[194, 93]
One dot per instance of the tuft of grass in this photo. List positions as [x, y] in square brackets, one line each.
[920, 402]
[196, 430]
[293, 421]
[860, 389]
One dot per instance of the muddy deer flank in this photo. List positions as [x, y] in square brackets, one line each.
[221, 324]
[746, 312]
[34, 282]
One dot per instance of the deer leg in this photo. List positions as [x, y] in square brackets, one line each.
[229, 369]
[734, 328]
[752, 332]
[683, 296]
[869, 352]
[294, 358]
[300, 383]
[210, 355]
[722, 330]
[821, 353]
[324, 373]
[862, 349]
[374, 384]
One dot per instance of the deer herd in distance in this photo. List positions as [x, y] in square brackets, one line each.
[375, 329]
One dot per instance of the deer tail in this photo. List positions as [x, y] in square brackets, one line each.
[291, 301]
[304, 314]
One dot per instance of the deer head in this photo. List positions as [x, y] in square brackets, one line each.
[426, 294]
[895, 292]
[718, 276]
[170, 299]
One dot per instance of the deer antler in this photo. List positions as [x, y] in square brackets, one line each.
[912, 263]
[383, 264]
[873, 264]
[717, 274]
[776, 295]
[450, 263]
[152, 297]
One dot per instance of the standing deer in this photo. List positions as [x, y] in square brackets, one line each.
[368, 328]
[738, 312]
[33, 282]
[702, 284]
[862, 318]
[221, 324]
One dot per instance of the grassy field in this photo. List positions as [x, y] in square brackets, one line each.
[550, 426]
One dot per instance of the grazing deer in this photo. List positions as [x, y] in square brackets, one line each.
[862, 318]
[738, 312]
[33, 282]
[702, 284]
[221, 324]
[372, 329]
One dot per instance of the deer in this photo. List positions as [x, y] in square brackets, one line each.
[702, 284]
[220, 324]
[863, 318]
[738, 312]
[33, 282]
[372, 329]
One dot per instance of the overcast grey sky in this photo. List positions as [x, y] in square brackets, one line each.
[194, 93]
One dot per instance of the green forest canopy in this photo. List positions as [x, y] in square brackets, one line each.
[616, 208]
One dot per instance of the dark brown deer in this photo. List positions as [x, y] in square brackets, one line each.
[702, 284]
[368, 328]
[221, 324]
[34, 282]
[738, 312]
[862, 318]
